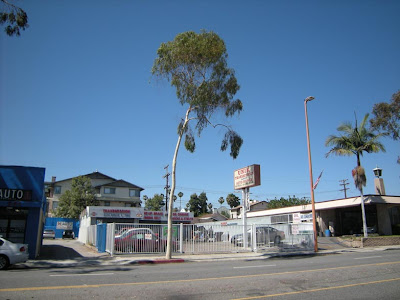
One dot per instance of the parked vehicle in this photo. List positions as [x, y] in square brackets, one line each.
[11, 253]
[122, 230]
[49, 234]
[371, 229]
[139, 240]
[264, 236]
[68, 234]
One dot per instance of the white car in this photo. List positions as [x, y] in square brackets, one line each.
[49, 234]
[11, 253]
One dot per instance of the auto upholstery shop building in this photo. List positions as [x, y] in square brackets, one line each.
[22, 206]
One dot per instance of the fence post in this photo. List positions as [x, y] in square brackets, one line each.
[112, 238]
[101, 237]
[254, 237]
[181, 238]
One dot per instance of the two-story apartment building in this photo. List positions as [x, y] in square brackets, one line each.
[109, 191]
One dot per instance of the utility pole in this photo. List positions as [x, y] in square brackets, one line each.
[166, 187]
[344, 183]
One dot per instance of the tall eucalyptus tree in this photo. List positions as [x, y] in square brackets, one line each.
[196, 66]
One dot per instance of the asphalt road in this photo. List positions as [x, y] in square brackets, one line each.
[365, 275]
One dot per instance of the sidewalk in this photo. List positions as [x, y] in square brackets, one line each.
[66, 254]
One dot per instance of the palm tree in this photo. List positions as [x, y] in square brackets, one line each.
[355, 141]
[210, 206]
[180, 195]
[221, 200]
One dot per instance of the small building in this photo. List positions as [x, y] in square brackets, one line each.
[337, 217]
[254, 206]
[22, 206]
[341, 216]
[95, 215]
[214, 217]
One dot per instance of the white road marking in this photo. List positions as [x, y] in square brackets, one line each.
[261, 266]
[73, 275]
[367, 257]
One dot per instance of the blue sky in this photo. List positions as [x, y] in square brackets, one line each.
[77, 93]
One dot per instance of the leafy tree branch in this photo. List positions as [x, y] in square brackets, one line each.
[13, 17]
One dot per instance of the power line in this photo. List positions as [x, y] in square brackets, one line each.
[344, 183]
[166, 187]
[259, 196]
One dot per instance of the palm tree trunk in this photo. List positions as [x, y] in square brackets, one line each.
[364, 220]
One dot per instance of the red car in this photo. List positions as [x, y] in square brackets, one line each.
[139, 240]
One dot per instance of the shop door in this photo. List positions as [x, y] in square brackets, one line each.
[13, 224]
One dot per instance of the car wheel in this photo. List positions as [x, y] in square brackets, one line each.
[277, 240]
[4, 262]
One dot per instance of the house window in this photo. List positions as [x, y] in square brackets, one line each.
[57, 189]
[109, 190]
[55, 205]
[134, 193]
[106, 203]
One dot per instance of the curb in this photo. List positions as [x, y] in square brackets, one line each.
[157, 261]
[110, 261]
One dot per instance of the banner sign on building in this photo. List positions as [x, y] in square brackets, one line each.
[306, 217]
[247, 177]
[162, 216]
[116, 213]
[137, 213]
[296, 218]
[153, 215]
[182, 216]
[65, 225]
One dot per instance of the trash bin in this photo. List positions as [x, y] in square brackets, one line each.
[327, 232]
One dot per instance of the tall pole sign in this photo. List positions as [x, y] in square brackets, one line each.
[247, 177]
[244, 179]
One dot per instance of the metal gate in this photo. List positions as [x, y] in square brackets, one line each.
[198, 238]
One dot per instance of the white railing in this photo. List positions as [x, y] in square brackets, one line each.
[199, 238]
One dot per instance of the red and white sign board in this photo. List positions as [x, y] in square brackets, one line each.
[247, 177]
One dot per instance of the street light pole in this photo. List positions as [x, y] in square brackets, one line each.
[311, 177]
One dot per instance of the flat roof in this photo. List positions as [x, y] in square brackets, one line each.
[330, 204]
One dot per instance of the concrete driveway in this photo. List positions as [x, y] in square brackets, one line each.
[62, 249]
